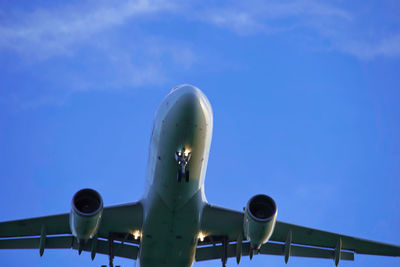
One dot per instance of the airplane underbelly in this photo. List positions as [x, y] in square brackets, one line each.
[169, 236]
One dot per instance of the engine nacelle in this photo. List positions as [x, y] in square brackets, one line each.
[259, 220]
[85, 216]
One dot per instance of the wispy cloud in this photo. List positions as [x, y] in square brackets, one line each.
[90, 34]
[49, 32]
[108, 34]
[345, 30]
[269, 17]
[55, 31]
[364, 49]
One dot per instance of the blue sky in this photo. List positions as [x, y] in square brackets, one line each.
[305, 97]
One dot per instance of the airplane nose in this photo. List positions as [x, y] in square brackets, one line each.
[185, 89]
[189, 99]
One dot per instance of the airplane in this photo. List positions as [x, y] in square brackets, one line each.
[173, 224]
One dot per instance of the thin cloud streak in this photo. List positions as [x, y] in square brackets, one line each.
[50, 32]
[258, 16]
[332, 23]
[387, 47]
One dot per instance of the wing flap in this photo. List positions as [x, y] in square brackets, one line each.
[59, 242]
[215, 252]
[33, 243]
[310, 252]
[119, 249]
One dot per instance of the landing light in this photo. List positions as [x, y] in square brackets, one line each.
[201, 236]
[187, 152]
[136, 234]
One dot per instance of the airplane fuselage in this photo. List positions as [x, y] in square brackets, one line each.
[173, 204]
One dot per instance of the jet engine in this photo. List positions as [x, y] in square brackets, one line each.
[259, 220]
[85, 216]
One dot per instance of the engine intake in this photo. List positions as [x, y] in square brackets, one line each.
[85, 216]
[259, 220]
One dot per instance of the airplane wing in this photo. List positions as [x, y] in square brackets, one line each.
[221, 224]
[114, 236]
[217, 252]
